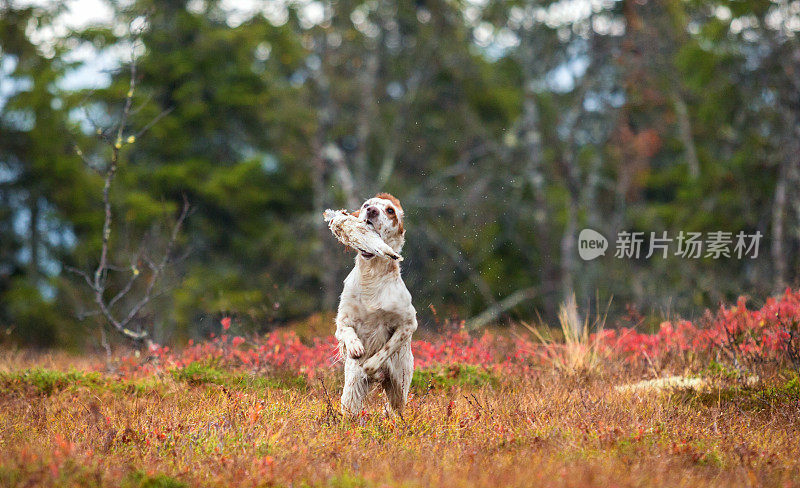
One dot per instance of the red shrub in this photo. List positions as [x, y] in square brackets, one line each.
[771, 333]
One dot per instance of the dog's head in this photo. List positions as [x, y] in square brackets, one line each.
[385, 214]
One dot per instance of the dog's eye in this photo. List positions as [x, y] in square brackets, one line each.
[365, 205]
[390, 211]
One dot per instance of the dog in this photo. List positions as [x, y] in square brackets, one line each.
[376, 319]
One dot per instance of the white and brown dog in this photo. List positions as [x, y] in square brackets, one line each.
[375, 318]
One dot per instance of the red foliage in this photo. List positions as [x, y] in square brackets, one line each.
[770, 333]
[767, 334]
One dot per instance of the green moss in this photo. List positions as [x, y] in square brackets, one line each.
[10, 477]
[46, 381]
[141, 480]
[42, 381]
[347, 480]
[264, 449]
[711, 458]
[717, 369]
[757, 397]
[451, 376]
[199, 374]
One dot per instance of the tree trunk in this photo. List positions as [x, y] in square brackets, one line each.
[34, 239]
[685, 131]
[327, 265]
[568, 252]
[531, 139]
[367, 117]
[778, 214]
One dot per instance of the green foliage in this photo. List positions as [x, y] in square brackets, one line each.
[30, 319]
[43, 185]
[500, 151]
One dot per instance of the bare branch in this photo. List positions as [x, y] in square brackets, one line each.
[85, 160]
[125, 289]
[91, 313]
[455, 255]
[98, 280]
[159, 268]
[82, 274]
[155, 120]
[507, 303]
[128, 102]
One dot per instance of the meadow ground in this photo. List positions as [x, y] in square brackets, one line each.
[484, 411]
[464, 426]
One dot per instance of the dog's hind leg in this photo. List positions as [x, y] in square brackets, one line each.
[356, 387]
[398, 382]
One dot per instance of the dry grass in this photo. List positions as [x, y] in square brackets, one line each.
[581, 351]
[549, 428]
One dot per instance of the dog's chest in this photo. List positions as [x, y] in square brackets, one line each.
[375, 327]
[376, 306]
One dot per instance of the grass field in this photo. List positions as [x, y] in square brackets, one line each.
[462, 427]
[484, 411]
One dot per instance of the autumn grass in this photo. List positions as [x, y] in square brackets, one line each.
[579, 348]
[464, 426]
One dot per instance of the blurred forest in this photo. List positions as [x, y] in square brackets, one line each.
[504, 128]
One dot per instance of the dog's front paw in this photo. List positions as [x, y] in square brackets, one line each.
[371, 367]
[355, 349]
